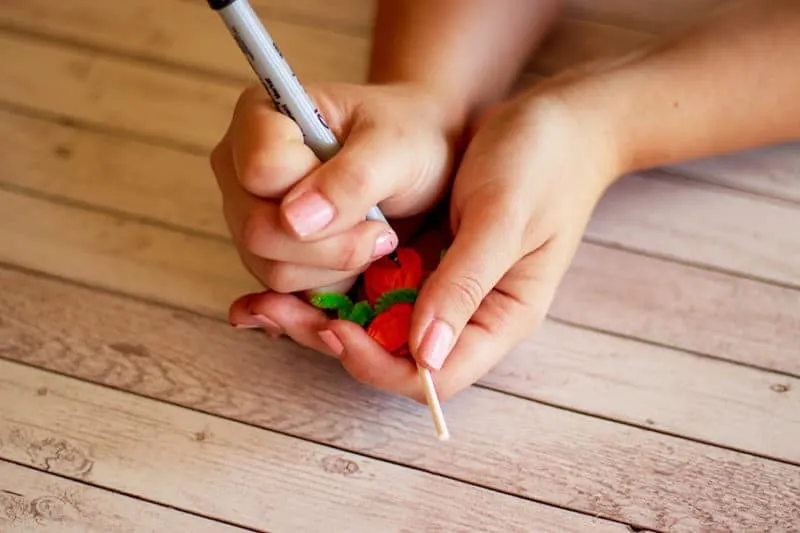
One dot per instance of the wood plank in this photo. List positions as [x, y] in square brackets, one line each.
[682, 306]
[195, 110]
[643, 15]
[120, 254]
[601, 468]
[668, 303]
[187, 33]
[115, 93]
[771, 171]
[663, 214]
[655, 387]
[654, 212]
[35, 501]
[112, 172]
[652, 387]
[255, 478]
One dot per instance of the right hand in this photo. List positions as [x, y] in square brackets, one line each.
[398, 151]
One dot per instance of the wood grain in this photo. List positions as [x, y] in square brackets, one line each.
[656, 213]
[770, 171]
[194, 110]
[188, 34]
[31, 500]
[151, 449]
[664, 214]
[668, 303]
[111, 172]
[682, 306]
[115, 93]
[594, 466]
[121, 254]
[643, 15]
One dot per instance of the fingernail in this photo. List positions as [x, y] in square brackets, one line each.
[384, 244]
[261, 321]
[309, 213]
[436, 344]
[331, 341]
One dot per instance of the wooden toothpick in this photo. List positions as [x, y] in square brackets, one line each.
[433, 403]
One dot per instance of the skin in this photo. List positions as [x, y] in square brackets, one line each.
[520, 200]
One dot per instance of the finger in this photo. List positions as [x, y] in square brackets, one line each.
[509, 313]
[486, 246]
[269, 154]
[367, 362]
[296, 319]
[264, 235]
[370, 168]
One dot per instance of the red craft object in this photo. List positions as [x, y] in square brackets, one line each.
[390, 328]
[384, 275]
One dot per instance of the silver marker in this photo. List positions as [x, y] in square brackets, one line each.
[283, 87]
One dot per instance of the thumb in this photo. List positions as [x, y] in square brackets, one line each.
[372, 166]
[481, 254]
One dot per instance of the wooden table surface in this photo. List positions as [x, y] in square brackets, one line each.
[662, 393]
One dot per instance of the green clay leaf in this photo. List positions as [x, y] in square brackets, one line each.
[361, 314]
[397, 296]
[441, 254]
[332, 300]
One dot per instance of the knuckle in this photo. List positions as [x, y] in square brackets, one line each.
[354, 179]
[468, 291]
[254, 232]
[280, 279]
[365, 374]
[350, 257]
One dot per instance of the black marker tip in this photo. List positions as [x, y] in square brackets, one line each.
[219, 4]
[395, 259]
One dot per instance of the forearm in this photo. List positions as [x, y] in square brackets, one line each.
[468, 52]
[731, 83]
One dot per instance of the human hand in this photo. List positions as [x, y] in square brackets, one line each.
[398, 148]
[521, 200]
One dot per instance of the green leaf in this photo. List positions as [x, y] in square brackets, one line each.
[361, 314]
[335, 301]
[441, 254]
[397, 296]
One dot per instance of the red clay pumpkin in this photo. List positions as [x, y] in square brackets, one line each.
[384, 275]
[390, 329]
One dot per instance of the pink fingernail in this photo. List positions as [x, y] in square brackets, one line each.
[331, 341]
[385, 243]
[436, 344]
[263, 322]
[309, 213]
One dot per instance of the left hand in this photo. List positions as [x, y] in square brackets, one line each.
[523, 195]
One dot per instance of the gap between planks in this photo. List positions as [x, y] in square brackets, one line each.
[270, 481]
[32, 499]
[273, 389]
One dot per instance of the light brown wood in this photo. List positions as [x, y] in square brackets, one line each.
[187, 33]
[664, 214]
[598, 467]
[643, 15]
[111, 172]
[682, 306]
[33, 501]
[261, 479]
[120, 254]
[772, 171]
[107, 112]
[655, 212]
[114, 92]
[668, 303]
[652, 387]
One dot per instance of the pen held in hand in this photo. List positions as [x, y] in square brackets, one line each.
[291, 99]
[280, 82]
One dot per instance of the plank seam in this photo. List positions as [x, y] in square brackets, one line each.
[308, 440]
[478, 385]
[128, 495]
